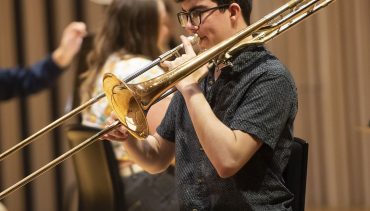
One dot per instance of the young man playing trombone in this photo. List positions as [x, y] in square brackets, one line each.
[231, 132]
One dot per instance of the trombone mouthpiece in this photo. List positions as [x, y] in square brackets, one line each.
[194, 39]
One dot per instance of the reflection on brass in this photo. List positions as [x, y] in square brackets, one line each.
[127, 108]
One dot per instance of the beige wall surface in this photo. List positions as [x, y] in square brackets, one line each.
[328, 57]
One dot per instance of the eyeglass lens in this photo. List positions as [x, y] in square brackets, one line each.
[195, 15]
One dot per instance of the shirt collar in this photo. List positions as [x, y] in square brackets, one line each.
[245, 57]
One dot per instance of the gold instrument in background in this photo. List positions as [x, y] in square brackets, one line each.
[130, 101]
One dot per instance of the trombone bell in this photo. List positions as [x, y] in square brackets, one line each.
[127, 108]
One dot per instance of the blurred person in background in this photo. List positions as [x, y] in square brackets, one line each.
[22, 81]
[133, 33]
[18, 81]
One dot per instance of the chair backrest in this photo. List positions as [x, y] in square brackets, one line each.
[99, 184]
[295, 174]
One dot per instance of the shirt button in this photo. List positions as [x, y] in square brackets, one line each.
[210, 82]
[200, 180]
[195, 210]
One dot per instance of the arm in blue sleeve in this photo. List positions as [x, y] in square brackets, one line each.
[24, 81]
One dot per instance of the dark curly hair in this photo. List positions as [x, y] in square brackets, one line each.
[245, 5]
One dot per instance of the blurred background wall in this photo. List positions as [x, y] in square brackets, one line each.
[328, 55]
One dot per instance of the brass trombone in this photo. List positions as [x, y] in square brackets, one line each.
[129, 101]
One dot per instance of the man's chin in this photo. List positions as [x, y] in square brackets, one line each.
[203, 45]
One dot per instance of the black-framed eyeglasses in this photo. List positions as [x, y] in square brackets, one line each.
[196, 15]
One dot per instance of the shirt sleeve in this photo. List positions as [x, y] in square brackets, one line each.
[168, 124]
[266, 109]
[24, 81]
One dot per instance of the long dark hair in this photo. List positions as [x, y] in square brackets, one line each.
[131, 26]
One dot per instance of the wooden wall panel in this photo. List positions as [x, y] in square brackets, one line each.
[330, 64]
[39, 105]
[9, 121]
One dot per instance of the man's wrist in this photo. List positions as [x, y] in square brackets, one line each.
[190, 90]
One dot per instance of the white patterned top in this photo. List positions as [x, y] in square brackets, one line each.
[97, 114]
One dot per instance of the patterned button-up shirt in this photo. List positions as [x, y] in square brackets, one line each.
[256, 95]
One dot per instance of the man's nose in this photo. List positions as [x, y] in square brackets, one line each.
[190, 27]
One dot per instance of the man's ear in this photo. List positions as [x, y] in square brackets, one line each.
[235, 11]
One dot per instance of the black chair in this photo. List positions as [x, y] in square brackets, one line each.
[295, 174]
[98, 180]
